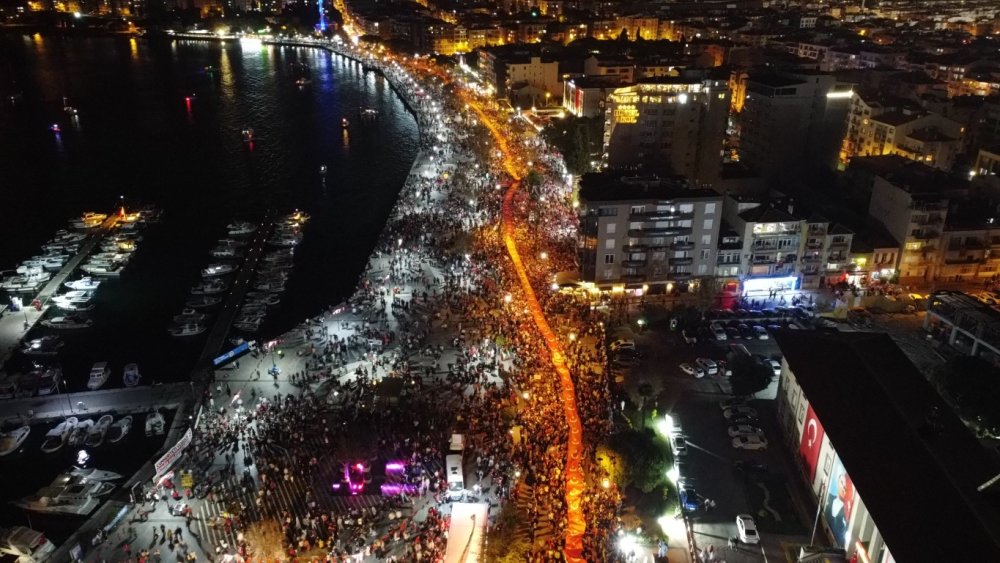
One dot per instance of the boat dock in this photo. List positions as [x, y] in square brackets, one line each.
[122, 401]
[13, 326]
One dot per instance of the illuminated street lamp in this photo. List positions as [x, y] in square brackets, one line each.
[572, 337]
[641, 323]
[525, 396]
[606, 483]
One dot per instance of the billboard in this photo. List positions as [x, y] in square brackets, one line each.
[812, 442]
[839, 501]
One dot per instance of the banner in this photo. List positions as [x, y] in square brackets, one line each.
[839, 504]
[812, 441]
[173, 454]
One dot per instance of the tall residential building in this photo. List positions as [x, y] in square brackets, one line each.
[641, 232]
[523, 74]
[772, 238]
[670, 124]
[792, 119]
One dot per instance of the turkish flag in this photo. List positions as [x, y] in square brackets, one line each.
[812, 441]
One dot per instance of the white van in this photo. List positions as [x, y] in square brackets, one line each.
[456, 477]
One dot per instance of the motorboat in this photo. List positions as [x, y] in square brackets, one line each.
[296, 218]
[202, 301]
[99, 374]
[241, 228]
[95, 437]
[74, 296]
[11, 441]
[232, 242]
[247, 134]
[273, 286]
[209, 287]
[279, 255]
[68, 322]
[105, 270]
[74, 306]
[30, 267]
[284, 240]
[187, 329]
[303, 81]
[85, 283]
[89, 220]
[191, 317]
[119, 429]
[25, 545]
[44, 346]
[56, 438]
[221, 269]
[264, 298]
[49, 380]
[28, 282]
[155, 424]
[67, 494]
[94, 474]
[131, 375]
[79, 433]
[55, 128]
[226, 252]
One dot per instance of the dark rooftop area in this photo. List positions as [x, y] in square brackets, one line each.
[913, 462]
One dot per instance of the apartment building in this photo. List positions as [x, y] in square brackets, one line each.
[585, 96]
[636, 233]
[509, 69]
[672, 123]
[826, 253]
[771, 241]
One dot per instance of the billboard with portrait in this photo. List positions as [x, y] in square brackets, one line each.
[840, 496]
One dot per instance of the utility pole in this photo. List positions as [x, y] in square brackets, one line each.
[819, 508]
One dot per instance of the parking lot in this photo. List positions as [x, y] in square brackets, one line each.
[710, 466]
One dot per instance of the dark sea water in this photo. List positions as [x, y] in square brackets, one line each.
[137, 137]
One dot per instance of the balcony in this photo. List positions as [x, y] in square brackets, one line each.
[928, 220]
[682, 245]
[635, 248]
[762, 260]
[634, 263]
[660, 216]
[814, 245]
[680, 276]
[965, 260]
[925, 234]
[968, 244]
[684, 261]
[839, 244]
[812, 259]
[659, 232]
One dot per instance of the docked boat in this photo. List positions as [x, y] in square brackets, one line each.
[95, 437]
[57, 437]
[263, 297]
[11, 441]
[119, 429]
[232, 242]
[131, 375]
[202, 301]
[99, 374]
[79, 433]
[247, 134]
[226, 252]
[221, 269]
[190, 317]
[209, 287]
[248, 325]
[44, 346]
[49, 380]
[155, 424]
[25, 545]
[322, 170]
[187, 329]
[241, 228]
[88, 220]
[74, 306]
[103, 270]
[85, 283]
[284, 240]
[94, 474]
[74, 296]
[68, 494]
[68, 322]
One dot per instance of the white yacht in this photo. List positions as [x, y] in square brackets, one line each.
[239, 228]
[119, 429]
[208, 287]
[94, 474]
[57, 437]
[131, 375]
[79, 433]
[95, 437]
[274, 286]
[25, 545]
[218, 269]
[106, 270]
[44, 346]
[67, 322]
[187, 329]
[85, 283]
[74, 296]
[155, 424]
[11, 441]
[67, 494]
[226, 252]
[99, 374]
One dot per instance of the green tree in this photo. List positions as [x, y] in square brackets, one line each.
[504, 546]
[635, 458]
[578, 139]
[707, 293]
[749, 376]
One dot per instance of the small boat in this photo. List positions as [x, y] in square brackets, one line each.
[345, 123]
[95, 437]
[322, 170]
[209, 287]
[11, 441]
[190, 317]
[85, 283]
[44, 346]
[202, 301]
[74, 296]
[247, 135]
[102, 269]
[303, 81]
[74, 306]
[131, 375]
[99, 374]
[155, 425]
[232, 242]
[56, 438]
[79, 433]
[55, 128]
[67, 494]
[271, 286]
[214, 270]
[49, 380]
[187, 329]
[119, 429]
[68, 108]
[93, 474]
[68, 322]
[226, 252]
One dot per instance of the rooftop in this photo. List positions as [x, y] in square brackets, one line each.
[895, 435]
[610, 187]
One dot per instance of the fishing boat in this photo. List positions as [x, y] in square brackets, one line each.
[56, 438]
[68, 322]
[11, 441]
[119, 429]
[187, 329]
[155, 424]
[95, 437]
[131, 375]
[99, 374]
[67, 494]
[215, 270]
[85, 283]
[94, 474]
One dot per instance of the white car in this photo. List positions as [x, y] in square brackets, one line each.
[679, 445]
[746, 529]
[744, 430]
[750, 442]
[710, 367]
[739, 410]
[689, 369]
[718, 332]
[774, 365]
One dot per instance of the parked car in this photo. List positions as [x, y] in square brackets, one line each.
[622, 345]
[732, 333]
[717, 331]
[734, 402]
[750, 442]
[745, 331]
[743, 430]
[761, 332]
[679, 445]
[746, 529]
[696, 371]
[710, 367]
[690, 499]
[688, 369]
[739, 410]
[773, 364]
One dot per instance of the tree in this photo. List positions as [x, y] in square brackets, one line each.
[578, 139]
[749, 376]
[623, 36]
[707, 293]
[972, 386]
[635, 458]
